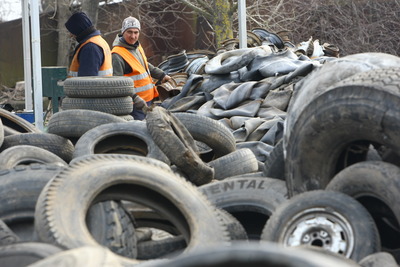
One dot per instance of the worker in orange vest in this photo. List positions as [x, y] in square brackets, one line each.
[92, 56]
[129, 59]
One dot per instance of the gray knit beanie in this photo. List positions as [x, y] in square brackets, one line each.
[130, 22]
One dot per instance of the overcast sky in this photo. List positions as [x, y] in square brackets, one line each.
[10, 9]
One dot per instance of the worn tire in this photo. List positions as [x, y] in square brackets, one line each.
[239, 162]
[112, 105]
[17, 123]
[210, 132]
[252, 200]
[26, 253]
[27, 154]
[112, 227]
[123, 177]
[376, 185]
[76, 122]
[95, 86]
[19, 189]
[253, 254]
[332, 220]
[378, 259]
[7, 236]
[119, 138]
[274, 166]
[323, 139]
[56, 144]
[176, 142]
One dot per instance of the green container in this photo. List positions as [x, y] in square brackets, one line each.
[52, 77]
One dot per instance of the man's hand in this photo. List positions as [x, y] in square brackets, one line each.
[166, 79]
[139, 103]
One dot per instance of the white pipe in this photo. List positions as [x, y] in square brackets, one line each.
[37, 65]
[242, 24]
[27, 55]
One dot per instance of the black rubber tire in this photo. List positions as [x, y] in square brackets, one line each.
[337, 127]
[376, 185]
[9, 131]
[76, 122]
[378, 259]
[19, 189]
[1, 133]
[327, 219]
[241, 254]
[252, 200]
[239, 162]
[17, 123]
[176, 142]
[27, 154]
[111, 226]
[274, 166]
[123, 177]
[234, 227]
[26, 253]
[154, 249]
[88, 256]
[56, 144]
[125, 137]
[7, 236]
[112, 105]
[95, 86]
[210, 132]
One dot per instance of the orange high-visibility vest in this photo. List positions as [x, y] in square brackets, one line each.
[140, 75]
[105, 69]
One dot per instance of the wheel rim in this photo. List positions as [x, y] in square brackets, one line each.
[322, 228]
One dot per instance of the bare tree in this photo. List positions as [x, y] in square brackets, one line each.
[354, 25]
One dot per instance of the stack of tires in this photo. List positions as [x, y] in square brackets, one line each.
[111, 95]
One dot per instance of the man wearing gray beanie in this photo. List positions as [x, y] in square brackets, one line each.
[129, 59]
[92, 56]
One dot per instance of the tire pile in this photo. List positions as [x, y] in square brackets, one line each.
[183, 189]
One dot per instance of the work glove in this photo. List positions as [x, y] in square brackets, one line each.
[139, 103]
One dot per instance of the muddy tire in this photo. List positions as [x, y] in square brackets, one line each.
[76, 122]
[323, 139]
[327, 219]
[129, 178]
[176, 142]
[119, 138]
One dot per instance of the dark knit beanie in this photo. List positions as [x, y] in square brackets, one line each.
[78, 23]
